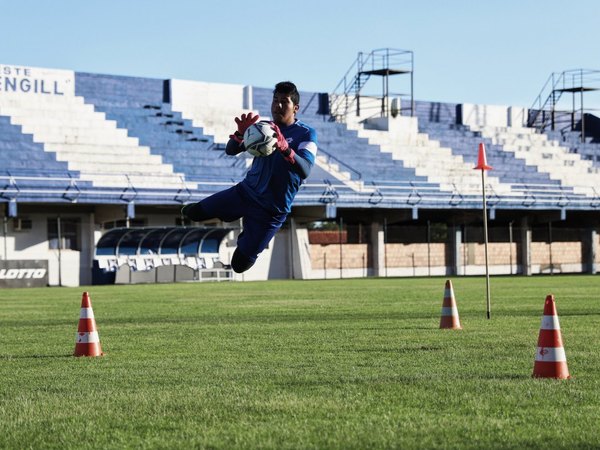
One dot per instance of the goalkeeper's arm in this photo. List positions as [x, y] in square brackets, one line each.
[299, 164]
[234, 147]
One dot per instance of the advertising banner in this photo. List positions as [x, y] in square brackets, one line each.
[33, 81]
[24, 273]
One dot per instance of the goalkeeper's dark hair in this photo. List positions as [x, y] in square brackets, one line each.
[288, 88]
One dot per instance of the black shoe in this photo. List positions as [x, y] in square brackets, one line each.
[185, 209]
[194, 212]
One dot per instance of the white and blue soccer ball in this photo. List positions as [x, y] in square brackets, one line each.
[260, 139]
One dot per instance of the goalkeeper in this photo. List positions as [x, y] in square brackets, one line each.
[263, 199]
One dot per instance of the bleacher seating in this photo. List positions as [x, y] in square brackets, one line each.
[21, 155]
[437, 161]
[574, 173]
[588, 149]
[524, 166]
[26, 166]
[137, 105]
[440, 122]
[123, 138]
[355, 165]
[89, 143]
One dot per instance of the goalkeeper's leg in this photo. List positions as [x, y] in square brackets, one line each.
[195, 212]
[259, 229]
[226, 205]
[240, 262]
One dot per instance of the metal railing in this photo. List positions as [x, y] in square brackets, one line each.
[545, 112]
[332, 160]
[373, 192]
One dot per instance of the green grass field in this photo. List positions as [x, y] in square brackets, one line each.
[339, 364]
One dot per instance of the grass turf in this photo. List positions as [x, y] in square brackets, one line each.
[299, 364]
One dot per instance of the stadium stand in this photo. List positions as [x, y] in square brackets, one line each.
[549, 157]
[29, 171]
[134, 120]
[138, 106]
[74, 132]
[523, 172]
[357, 168]
[101, 151]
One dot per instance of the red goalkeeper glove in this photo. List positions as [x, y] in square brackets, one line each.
[243, 122]
[282, 145]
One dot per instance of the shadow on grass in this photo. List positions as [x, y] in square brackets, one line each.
[504, 376]
[399, 379]
[394, 328]
[9, 357]
[421, 348]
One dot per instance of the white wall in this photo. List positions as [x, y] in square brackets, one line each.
[69, 267]
[32, 82]
[493, 115]
[211, 106]
[301, 251]
[484, 115]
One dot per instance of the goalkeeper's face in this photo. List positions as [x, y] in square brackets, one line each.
[283, 110]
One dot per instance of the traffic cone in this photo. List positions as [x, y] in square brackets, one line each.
[481, 159]
[87, 341]
[449, 310]
[550, 358]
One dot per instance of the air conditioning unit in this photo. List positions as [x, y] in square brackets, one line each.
[20, 224]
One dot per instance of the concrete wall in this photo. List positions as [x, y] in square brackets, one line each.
[205, 104]
[67, 267]
[423, 260]
[493, 115]
[291, 255]
[556, 258]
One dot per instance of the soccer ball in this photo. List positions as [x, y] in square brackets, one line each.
[260, 139]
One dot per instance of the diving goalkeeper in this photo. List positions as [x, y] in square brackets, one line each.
[263, 199]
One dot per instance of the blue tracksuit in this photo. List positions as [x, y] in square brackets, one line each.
[264, 198]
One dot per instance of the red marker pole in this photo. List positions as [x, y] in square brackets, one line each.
[483, 166]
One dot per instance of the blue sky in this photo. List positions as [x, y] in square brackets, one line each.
[494, 52]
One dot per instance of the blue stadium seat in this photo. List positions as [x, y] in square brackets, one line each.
[138, 105]
[20, 155]
[365, 162]
[439, 122]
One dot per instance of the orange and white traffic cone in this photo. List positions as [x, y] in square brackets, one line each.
[481, 159]
[449, 310]
[550, 358]
[87, 341]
